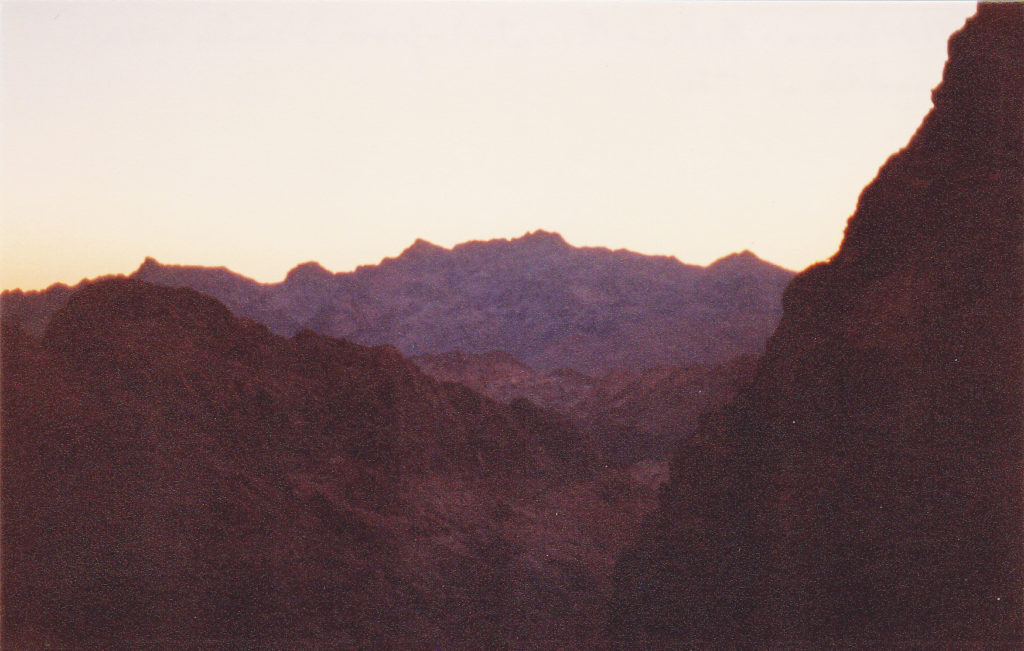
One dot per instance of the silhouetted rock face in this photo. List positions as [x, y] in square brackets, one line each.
[174, 475]
[866, 488]
[547, 303]
[31, 310]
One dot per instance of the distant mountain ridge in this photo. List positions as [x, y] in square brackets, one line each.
[542, 300]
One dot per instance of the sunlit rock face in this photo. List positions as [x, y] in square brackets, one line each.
[866, 488]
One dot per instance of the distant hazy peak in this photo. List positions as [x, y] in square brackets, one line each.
[421, 248]
[538, 241]
[542, 237]
[308, 271]
[149, 264]
[745, 258]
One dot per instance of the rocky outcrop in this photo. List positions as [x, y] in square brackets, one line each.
[865, 490]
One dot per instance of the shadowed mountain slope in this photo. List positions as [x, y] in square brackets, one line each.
[866, 488]
[176, 476]
[547, 303]
[631, 415]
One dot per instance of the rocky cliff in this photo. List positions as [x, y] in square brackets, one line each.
[866, 488]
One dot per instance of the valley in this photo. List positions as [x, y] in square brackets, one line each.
[520, 443]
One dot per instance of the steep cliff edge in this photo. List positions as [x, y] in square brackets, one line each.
[866, 488]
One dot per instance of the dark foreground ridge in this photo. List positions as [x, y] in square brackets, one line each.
[173, 476]
[866, 488]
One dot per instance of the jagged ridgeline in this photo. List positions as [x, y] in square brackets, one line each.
[549, 304]
[191, 458]
[866, 488]
[545, 302]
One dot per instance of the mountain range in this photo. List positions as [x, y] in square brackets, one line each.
[505, 450]
[548, 304]
[167, 462]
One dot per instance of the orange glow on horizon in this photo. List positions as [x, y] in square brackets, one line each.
[257, 136]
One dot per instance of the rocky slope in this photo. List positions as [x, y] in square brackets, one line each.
[631, 415]
[547, 303]
[176, 476]
[501, 376]
[865, 490]
[646, 414]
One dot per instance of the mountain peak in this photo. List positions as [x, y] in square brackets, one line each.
[745, 254]
[421, 248]
[541, 237]
[308, 271]
[149, 264]
[745, 259]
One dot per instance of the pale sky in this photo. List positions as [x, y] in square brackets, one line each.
[261, 135]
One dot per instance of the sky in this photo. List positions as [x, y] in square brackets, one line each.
[259, 135]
